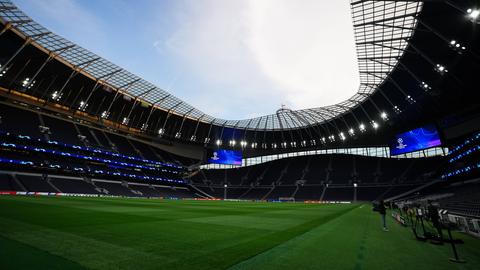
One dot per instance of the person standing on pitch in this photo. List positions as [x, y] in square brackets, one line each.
[383, 212]
[435, 219]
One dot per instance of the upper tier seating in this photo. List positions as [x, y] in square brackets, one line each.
[61, 131]
[12, 117]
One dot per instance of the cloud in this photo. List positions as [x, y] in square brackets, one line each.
[249, 57]
[219, 74]
[307, 47]
[68, 18]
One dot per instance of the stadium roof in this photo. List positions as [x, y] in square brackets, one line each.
[382, 30]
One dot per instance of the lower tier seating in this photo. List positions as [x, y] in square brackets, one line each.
[18, 181]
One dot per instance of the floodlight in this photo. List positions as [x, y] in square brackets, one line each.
[83, 105]
[55, 95]
[396, 109]
[410, 99]
[25, 82]
[473, 13]
[425, 86]
[441, 69]
[3, 70]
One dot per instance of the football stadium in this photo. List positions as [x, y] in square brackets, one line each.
[107, 168]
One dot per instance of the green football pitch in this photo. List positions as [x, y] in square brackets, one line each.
[106, 233]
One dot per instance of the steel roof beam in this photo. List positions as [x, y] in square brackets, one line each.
[413, 14]
[6, 8]
[63, 49]
[381, 40]
[27, 41]
[20, 22]
[394, 26]
[109, 74]
[183, 120]
[128, 85]
[5, 28]
[88, 62]
[40, 35]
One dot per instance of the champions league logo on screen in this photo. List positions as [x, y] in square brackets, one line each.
[224, 156]
[400, 145]
[214, 156]
[414, 140]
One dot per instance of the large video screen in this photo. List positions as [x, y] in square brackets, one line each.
[414, 140]
[223, 156]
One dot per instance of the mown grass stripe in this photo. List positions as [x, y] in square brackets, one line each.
[234, 254]
[88, 252]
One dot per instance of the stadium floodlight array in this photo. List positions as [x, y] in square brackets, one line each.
[3, 71]
[94, 150]
[455, 45]
[473, 14]
[90, 171]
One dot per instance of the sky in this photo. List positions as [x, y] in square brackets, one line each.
[232, 59]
